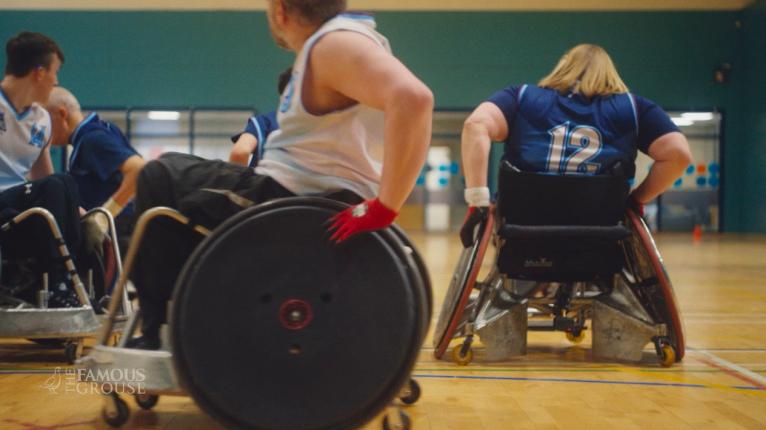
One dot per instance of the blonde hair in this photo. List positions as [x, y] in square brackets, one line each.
[585, 69]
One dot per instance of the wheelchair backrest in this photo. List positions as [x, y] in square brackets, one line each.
[560, 228]
[526, 198]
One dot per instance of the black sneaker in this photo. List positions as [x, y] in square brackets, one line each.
[144, 342]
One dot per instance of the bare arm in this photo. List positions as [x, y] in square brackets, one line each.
[486, 124]
[43, 166]
[671, 156]
[366, 73]
[130, 170]
[243, 149]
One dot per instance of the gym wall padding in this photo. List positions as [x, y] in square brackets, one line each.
[228, 58]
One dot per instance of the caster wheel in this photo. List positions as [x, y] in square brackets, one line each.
[462, 358]
[117, 413]
[404, 422]
[411, 393]
[576, 339]
[70, 352]
[147, 401]
[667, 355]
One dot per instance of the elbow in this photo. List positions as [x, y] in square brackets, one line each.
[475, 126]
[682, 153]
[415, 98]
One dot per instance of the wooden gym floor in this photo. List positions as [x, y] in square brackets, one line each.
[720, 284]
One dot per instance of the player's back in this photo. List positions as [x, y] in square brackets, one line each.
[571, 134]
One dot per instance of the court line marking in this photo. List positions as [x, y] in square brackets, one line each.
[705, 369]
[584, 381]
[33, 426]
[732, 369]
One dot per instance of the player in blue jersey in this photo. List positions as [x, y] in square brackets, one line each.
[252, 140]
[26, 172]
[580, 119]
[102, 163]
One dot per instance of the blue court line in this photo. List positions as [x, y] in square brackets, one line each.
[581, 381]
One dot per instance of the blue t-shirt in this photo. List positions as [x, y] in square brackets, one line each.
[570, 134]
[261, 127]
[99, 148]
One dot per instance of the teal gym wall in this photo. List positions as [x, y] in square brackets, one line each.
[228, 59]
[751, 145]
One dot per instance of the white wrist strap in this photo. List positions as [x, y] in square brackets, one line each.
[477, 196]
[113, 207]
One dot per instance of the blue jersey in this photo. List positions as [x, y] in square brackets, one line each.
[98, 150]
[260, 126]
[571, 134]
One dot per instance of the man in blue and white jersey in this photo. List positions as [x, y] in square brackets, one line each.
[26, 172]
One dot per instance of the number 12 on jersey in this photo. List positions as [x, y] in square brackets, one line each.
[586, 142]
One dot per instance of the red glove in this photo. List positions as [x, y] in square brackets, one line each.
[367, 216]
[637, 206]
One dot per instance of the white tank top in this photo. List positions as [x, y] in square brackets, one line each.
[314, 154]
[22, 138]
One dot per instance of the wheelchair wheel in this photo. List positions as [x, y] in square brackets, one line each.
[461, 285]
[421, 265]
[654, 288]
[276, 327]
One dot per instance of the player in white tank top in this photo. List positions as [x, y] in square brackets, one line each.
[354, 118]
[313, 154]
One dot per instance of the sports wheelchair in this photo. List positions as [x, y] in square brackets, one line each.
[271, 326]
[568, 250]
[24, 289]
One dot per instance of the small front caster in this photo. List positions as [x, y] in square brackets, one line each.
[116, 411]
[73, 351]
[411, 393]
[667, 355]
[462, 354]
[576, 338]
[147, 401]
[403, 424]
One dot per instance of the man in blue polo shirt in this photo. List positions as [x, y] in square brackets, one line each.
[102, 162]
[258, 128]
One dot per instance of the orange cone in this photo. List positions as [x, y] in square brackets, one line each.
[697, 234]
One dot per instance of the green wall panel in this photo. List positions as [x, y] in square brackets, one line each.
[752, 144]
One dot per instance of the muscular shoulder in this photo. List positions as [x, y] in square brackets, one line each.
[353, 45]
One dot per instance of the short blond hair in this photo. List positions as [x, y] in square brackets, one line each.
[61, 97]
[585, 69]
